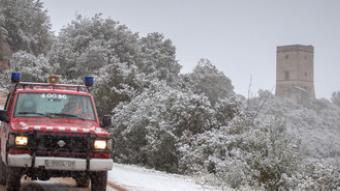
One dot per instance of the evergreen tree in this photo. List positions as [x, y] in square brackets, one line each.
[86, 45]
[211, 82]
[158, 58]
[26, 26]
[33, 68]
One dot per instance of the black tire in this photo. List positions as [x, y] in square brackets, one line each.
[99, 181]
[82, 182]
[13, 179]
[2, 173]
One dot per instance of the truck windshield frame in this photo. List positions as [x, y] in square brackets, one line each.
[54, 105]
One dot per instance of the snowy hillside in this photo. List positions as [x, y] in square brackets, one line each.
[140, 179]
[316, 123]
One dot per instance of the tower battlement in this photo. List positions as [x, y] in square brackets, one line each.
[296, 48]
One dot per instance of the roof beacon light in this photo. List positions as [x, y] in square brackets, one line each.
[53, 79]
[15, 77]
[89, 81]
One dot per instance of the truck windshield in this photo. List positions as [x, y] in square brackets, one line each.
[54, 105]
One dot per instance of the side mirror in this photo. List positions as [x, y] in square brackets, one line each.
[107, 121]
[4, 116]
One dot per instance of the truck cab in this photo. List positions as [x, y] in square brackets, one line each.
[53, 130]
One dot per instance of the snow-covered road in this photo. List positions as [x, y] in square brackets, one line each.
[57, 184]
[125, 178]
[135, 178]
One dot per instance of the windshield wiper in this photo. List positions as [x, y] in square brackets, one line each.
[65, 115]
[34, 113]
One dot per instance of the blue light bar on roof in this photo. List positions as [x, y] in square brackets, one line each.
[15, 77]
[89, 81]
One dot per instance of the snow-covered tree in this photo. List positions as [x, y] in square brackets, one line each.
[4, 48]
[115, 83]
[258, 153]
[152, 123]
[138, 126]
[3, 31]
[86, 45]
[33, 68]
[158, 57]
[5, 80]
[207, 79]
[319, 175]
[316, 122]
[26, 26]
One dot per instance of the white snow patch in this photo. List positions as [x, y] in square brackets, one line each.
[140, 179]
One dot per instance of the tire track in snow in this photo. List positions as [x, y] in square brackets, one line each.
[115, 186]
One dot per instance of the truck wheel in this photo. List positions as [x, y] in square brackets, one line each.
[13, 179]
[99, 181]
[83, 182]
[2, 173]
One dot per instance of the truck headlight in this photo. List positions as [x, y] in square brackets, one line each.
[21, 140]
[100, 144]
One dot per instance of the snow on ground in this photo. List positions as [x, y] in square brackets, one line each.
[140, 179]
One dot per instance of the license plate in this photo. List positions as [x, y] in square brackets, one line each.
[59, 164]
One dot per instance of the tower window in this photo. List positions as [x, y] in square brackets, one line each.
[306, 74]
[287, 56]
[286, 75]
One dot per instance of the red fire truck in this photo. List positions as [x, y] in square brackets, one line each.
[52, 130]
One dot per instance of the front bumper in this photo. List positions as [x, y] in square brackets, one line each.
[25, 160]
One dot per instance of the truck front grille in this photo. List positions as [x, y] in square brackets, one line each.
[56, 144]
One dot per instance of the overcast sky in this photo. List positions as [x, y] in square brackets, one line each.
[238, 36]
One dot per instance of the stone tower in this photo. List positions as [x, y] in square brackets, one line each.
[295, 72]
